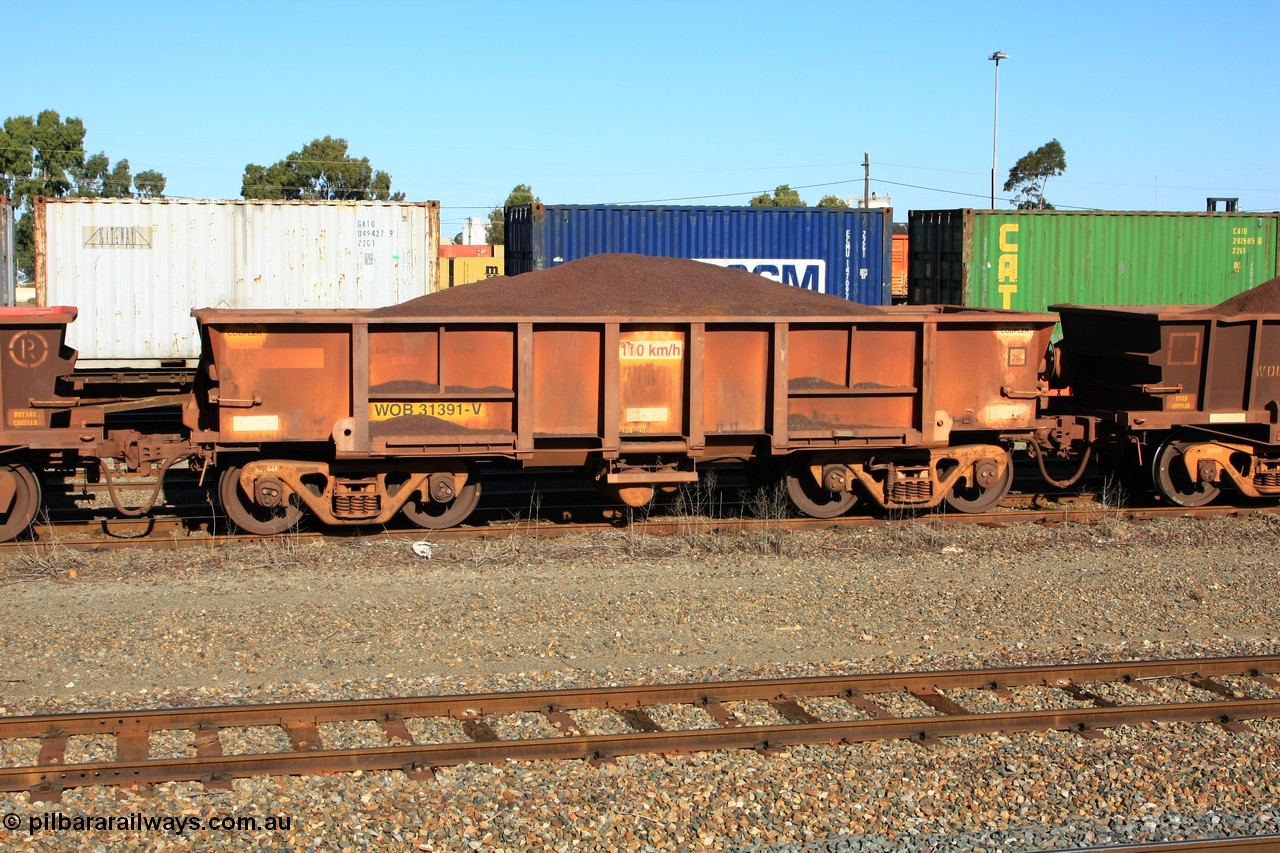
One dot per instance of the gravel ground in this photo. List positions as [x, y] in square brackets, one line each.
[291, 620]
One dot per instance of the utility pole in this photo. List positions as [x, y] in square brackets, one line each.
[866, 181]
[995, 132]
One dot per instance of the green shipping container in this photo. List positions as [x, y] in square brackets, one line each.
[1028, 260]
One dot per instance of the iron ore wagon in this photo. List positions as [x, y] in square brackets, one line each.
[640, 370]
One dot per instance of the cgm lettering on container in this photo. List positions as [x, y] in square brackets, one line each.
[796, 272]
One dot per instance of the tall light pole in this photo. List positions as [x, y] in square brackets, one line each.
[995, 131]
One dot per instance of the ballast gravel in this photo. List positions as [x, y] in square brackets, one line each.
[293, 620]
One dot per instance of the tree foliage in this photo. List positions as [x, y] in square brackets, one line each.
[97, 178]
[149, 184]
[495, 233]
[322, 170]
[44, 156]
[783, 196]
[833, 202]
[1032, 171]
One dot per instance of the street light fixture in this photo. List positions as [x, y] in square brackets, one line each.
[995, 132]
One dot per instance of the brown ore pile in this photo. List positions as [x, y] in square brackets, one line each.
[1263, 299]
[628, 286]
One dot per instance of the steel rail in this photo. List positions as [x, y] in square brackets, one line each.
[50, 775]
[1241, 844]
[112, 534]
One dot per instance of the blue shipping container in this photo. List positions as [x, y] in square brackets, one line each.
[845, 253]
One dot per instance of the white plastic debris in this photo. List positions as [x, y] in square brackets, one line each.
[422, 549]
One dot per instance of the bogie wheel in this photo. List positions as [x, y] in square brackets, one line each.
[438, 515]
[812, 498]
[1171, 478]
[975, 495]
[26, 500]
[248, 515]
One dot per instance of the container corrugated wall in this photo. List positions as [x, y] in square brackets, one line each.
[463, 270]
[845, 253]
[137, 267]
[1031, 259]
[899, 266]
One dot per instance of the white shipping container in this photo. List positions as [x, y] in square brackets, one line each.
[135, 268]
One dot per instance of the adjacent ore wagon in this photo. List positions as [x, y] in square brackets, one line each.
[1029, 259]
[1189, 395]
[45, 428]
[845, 253]
[639, 370]
[136, 267]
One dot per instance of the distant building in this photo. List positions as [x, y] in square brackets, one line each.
[876, 201]
[473, 231]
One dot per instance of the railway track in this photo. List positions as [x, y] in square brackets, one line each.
[1252, 844]
[598, 724]
[110, 531]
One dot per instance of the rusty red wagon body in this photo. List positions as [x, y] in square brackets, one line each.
[1194, 391]
[359, 415]
[46, 426]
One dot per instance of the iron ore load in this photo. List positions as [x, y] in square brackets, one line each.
[639, 370]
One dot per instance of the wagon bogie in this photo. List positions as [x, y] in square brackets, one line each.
[1191, 467]
[970, 478]
[269, 495]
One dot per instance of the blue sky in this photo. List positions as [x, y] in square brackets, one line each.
[1157, 104]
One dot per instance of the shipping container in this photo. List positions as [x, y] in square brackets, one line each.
[136, 267]
[458, 250]
[8, 267]
[1030, 259]
[900, 259]
[456, 271]
[845, 253]
[463, 269]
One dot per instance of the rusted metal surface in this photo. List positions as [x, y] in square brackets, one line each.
[887, 381]
[643, 402]
[1197, 389]
[32, 357]
[478, 713]
[1165, 366]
